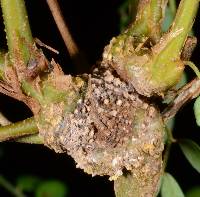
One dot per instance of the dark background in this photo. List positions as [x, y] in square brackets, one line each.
[93, 24]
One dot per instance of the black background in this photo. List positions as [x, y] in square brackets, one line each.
[92, 24]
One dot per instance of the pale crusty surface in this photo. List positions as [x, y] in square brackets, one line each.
[112, 129]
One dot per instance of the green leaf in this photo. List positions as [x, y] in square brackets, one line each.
[197, 110]
[27, 183]
[52, 188]
[170, 187]
[194, 192]
[191, 150]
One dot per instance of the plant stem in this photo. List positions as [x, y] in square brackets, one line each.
[18, 34]
[167, 66]
[183, 21]
[31, 139]
[185, 94]
[9, 187]
[77, 57]
[17, 27]
[175, 39]
[19, 129]
[64, 31]
[193, 67]
[31, 91]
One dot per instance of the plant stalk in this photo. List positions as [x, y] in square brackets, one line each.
[19, 129]
[30, 139]
[76, 55]
[18, 32]
[166, 65]
[183, 22]
[175, 39]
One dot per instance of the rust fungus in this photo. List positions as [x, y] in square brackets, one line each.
[111, 130]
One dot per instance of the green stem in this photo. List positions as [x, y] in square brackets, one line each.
[166, 65]
[193, 67]
[9, 187]
[18, 33]
[17, 27]
[31, 91]
[19, 129]
[31, 139]
[175, 39]
[183, 21]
